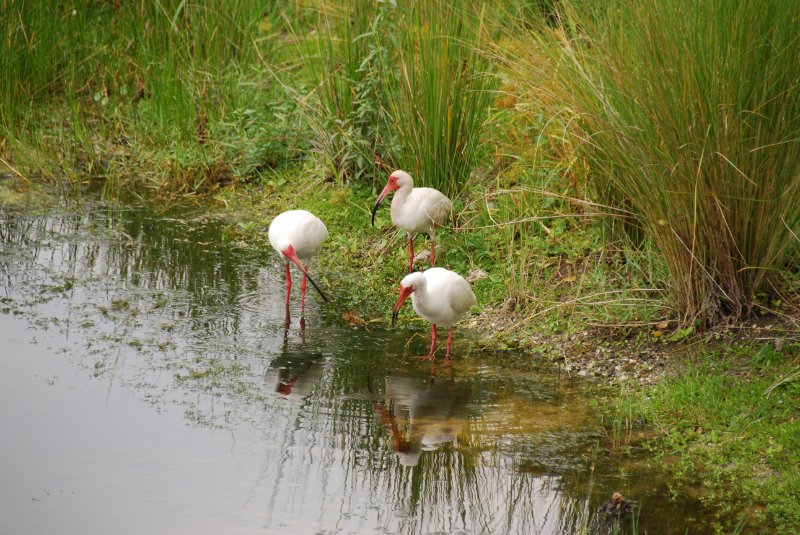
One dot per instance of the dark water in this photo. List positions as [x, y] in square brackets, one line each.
[148, 385]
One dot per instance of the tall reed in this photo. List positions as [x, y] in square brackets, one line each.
[36, 43]
[401, 87]
[182, 82]
[439, 99]
[185, 58]
[353, 55]
[689, 114]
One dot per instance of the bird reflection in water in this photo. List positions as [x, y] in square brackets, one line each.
[422, 415]
[294, 371]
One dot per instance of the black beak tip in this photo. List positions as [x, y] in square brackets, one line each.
[314, 284]
[374, 211]
[394, 320]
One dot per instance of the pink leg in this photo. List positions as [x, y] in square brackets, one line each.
[429, 356]
[449, 343]
[410, 253]
[303, 292]
[288, 285]
[287, 319]
[433, 342]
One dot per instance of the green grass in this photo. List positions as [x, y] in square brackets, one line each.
[395, 91]
[348, 59]
[179, 101]
[730, 418]
[173, 100]
[362, 265]
[153, 96]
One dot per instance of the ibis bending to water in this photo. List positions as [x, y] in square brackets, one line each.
[296, 234]
[440, 296]
[415, 210]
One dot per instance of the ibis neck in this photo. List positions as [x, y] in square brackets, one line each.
[421, 300]
[399, 204]
[402, 194]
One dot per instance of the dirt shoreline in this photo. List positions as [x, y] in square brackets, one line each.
[638, 356]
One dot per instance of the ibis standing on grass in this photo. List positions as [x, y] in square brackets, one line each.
[295, 235]
[415, 210]
[440, 296]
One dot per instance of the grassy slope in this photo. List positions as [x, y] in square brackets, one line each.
[554, 295]
[728, 425]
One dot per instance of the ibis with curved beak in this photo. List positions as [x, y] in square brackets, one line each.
[415, 210]
[295, 235]
[440, 296]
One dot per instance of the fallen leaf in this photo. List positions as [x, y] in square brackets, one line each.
[352, 319]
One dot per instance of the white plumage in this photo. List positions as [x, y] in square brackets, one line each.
[440, 296]
[299, 228]
[295, 235]
[415, 210]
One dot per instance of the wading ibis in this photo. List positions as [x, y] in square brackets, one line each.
[295, 235]
[415, 210]
[440, 296]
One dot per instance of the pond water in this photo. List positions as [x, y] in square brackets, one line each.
[149, 384]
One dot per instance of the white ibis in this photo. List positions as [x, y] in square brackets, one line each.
[296, 234]
[440, 296]
[415, 210]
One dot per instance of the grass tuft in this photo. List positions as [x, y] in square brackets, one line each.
[439, 100]
[688, 114]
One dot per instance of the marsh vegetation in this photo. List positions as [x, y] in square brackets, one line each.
[625, 175]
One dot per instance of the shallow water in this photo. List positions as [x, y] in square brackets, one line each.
[148, 384]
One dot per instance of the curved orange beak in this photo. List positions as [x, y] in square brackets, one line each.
[387, 189]
[405, 291]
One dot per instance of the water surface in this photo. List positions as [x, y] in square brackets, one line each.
[149, 384]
